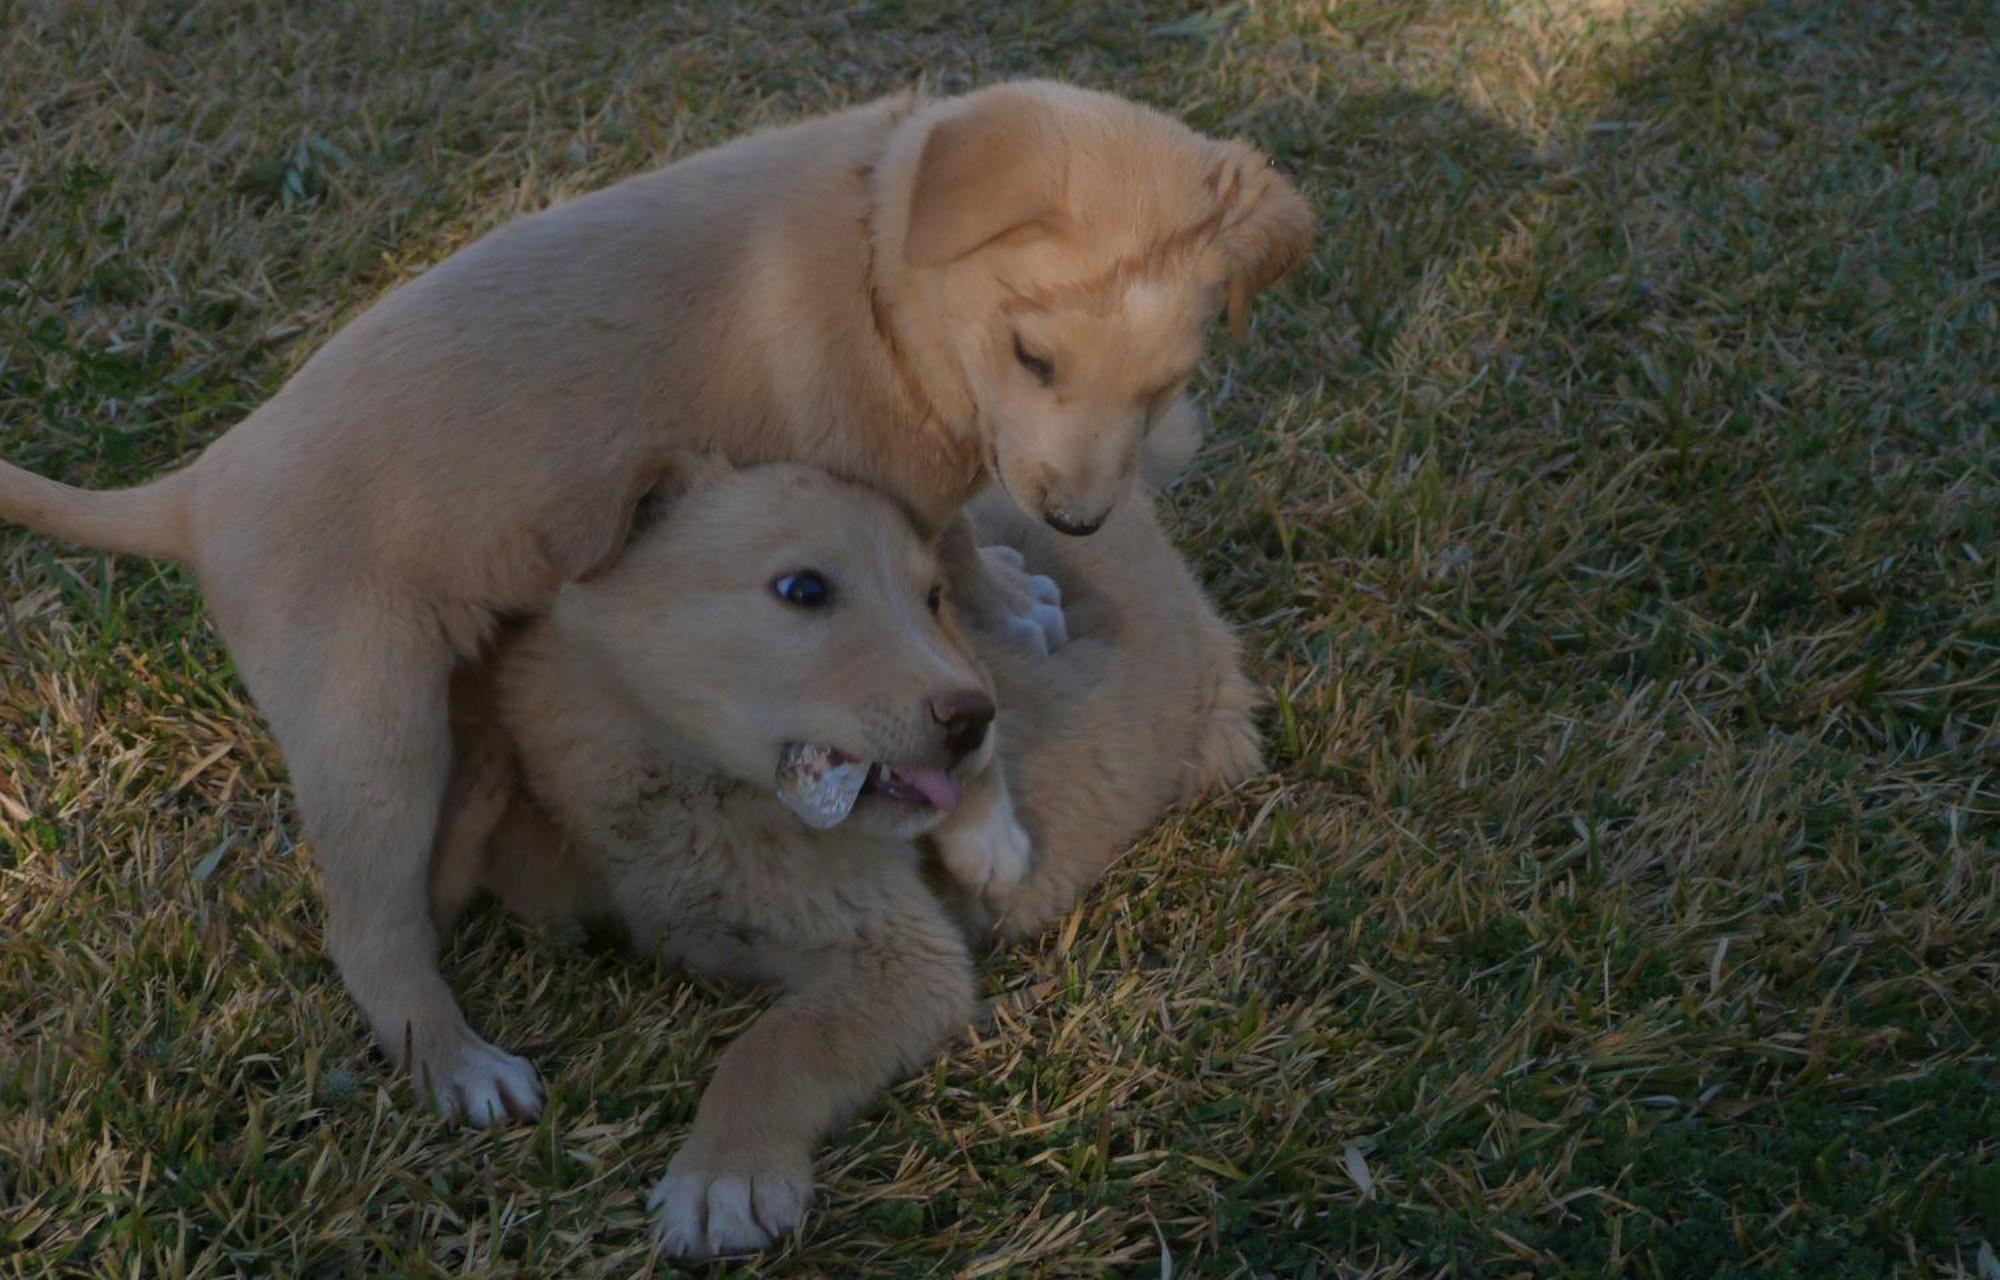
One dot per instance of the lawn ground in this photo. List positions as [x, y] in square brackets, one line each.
[1610, 506]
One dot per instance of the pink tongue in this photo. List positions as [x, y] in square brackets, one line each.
[937, 786]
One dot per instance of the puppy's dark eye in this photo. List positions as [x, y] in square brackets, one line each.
[1042, 367]
[805, 589]
[935, 600]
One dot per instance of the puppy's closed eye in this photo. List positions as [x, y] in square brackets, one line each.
[1041, 366]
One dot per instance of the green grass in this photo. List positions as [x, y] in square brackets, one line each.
[1610, 506]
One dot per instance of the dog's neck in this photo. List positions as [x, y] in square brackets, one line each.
[945, 437]
[941, 462]
[926, 368]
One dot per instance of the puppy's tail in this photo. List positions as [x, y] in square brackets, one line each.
[150, 520]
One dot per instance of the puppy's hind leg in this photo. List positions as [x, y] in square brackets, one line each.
[355, 692]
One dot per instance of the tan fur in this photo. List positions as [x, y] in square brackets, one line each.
[647, 798]
[478, 437]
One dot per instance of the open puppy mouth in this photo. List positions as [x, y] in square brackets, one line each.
[927, 788]
[822, 784]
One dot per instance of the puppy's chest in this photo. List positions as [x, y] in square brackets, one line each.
[702, 874]
[934, 477]
[656, 810]
[916, 459]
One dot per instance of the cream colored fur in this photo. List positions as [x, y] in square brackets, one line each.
[645, 709]
[919, 294]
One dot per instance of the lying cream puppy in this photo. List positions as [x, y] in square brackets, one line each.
[920, 294]
[731, 743]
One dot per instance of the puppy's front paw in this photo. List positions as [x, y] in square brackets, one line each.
[1027, 606]
[471, 1081]
[989, 856]
[705, 1208]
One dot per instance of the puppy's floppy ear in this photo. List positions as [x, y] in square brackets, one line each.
[1267, 226]
[984, 172]
[654, 491]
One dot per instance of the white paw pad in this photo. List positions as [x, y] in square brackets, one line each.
[1032, 620]
[1024, 634]
[990, 858]
[481, 1085]
[1046, 613]
[701, 1214]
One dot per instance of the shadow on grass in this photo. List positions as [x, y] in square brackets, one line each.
[1684, 422]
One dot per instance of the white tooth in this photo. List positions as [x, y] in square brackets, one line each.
[821, 792]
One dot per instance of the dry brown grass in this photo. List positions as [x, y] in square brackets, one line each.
[1611, 505]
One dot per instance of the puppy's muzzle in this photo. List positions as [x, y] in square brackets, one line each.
[1063, 520]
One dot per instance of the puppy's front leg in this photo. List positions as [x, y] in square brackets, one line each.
[872, 1012]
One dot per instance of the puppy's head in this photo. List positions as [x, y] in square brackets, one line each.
[1063, 254]
[769, 616]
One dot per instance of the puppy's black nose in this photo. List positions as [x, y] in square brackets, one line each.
[965, 715]
[1062, 520]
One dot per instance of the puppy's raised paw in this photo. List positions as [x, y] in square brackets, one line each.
[705, 1209]
[988, 856]
[475, 1083]
[1029, 605]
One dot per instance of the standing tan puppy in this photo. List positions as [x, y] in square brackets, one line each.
[774, 612]
[919, 294]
